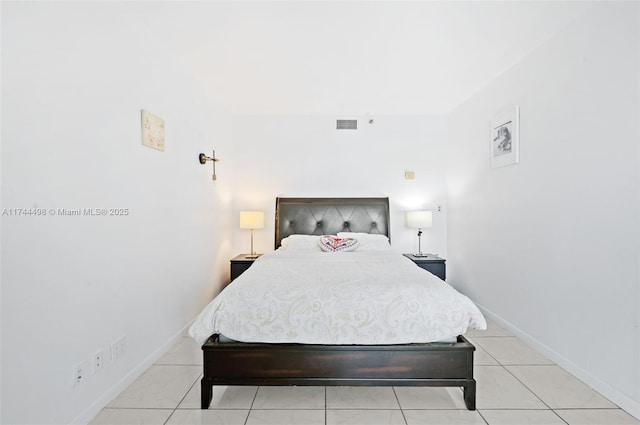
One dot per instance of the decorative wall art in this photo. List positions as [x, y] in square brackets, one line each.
[152, 131]
[505, 137]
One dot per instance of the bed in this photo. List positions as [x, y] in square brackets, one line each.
[281, 357]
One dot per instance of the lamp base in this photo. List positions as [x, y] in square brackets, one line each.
[420, 255]
[251, 257]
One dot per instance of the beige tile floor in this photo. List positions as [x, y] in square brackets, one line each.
[516, 386]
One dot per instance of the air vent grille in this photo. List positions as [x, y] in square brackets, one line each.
[347, 124]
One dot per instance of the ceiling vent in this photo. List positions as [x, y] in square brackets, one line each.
[347, 124]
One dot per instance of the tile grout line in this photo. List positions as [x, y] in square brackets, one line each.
[534, 393]
[516, 378]
[400, 405]
[182, 399]
[255, 395]
[488, 353]
[482, 416]
[325, 406]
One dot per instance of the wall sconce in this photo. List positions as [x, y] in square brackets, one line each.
[251, 220]
[203, 160]
[419, 220]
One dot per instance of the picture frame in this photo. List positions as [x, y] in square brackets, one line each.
[152, 131]
[505, 137]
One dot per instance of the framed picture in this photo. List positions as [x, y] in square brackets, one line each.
[505, 137]
[152, 131]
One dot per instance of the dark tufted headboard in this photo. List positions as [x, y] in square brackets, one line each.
[328, 216]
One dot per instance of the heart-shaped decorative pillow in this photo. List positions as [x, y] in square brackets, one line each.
[330, 243]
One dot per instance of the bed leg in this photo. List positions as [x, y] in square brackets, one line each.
[206, 392]
[470, 395]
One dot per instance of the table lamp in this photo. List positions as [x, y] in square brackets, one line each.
[419, 220]
[252, 220]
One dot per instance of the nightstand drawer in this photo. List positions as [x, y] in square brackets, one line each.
[430, 263]
[240, 264]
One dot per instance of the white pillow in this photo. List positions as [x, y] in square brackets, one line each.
[301, 243]
[368, 241]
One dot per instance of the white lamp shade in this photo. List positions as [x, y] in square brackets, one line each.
[419, 219]
[251, 219]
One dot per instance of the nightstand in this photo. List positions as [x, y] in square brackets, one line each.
[239, 264]
[431, 263]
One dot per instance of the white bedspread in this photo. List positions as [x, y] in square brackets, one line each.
[337, 298]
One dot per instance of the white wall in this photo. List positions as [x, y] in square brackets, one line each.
[303, 155]
[76, 79]
[549, 247]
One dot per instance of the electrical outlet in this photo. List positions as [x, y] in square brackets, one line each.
[98, 361]
[118, 348]
[80, 373]
[409, 175]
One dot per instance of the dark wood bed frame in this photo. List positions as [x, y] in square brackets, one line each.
[432, 364]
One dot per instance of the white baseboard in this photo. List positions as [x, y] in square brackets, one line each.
[92, 411]
[614, 395]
